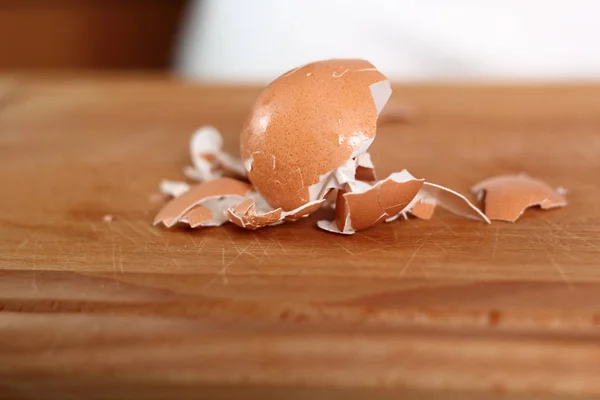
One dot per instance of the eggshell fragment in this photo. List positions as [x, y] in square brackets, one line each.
[361, 205]
[365, 171]
[423, 209]
[198, 216]
[451, 201]
[508, 196]
[216, 195]
[173, 188]
[245, 214]
[308, 123]
[208, 159]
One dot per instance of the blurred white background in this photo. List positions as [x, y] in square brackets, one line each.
[433, 40]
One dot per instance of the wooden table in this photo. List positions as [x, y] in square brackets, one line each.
[448, 308]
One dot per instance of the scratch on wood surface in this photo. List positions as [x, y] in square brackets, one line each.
[439, 247]
[279, 244]
[381, 244]
[239, 254]
[114, 227]
[151, 229]
[196, 246]
[121, 257]
[245, 249]
[257, 240]
[310, 252]
[558, 269]
[265, 251]
[136, 230]
[92, 226]
[572, 235]
[495, 243]
[373, 249]
[34, 285]
[223, 266]
[199, 250]
[114, 262]
[35, 232]
[412, 257]
[344, 248]
[231, 241]
[394, 232]
[34, 282]
[448, 227]
[62, 252]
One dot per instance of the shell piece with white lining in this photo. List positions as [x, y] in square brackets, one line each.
[362, 205]
[213, 197]
[254, 213]
[209, 161]
[508, 196]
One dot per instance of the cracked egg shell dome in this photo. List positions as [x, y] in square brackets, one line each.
[308, 122]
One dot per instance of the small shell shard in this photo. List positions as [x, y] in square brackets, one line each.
[214, 194]
[452, 201]
[423, 209]
[173, 188]
[508, 196]
[208, 159]
[198, 216]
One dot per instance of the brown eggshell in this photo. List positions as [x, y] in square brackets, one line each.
[341, 210]
[307, 123]
[422, 210]
[365, 174]
[174, 210]
[244, 215]
[395, 196]
[362, 209]
[508, 196]
[198, 215]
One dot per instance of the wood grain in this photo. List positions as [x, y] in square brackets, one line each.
[447, 308]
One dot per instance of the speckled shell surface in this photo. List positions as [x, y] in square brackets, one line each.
[306, 123]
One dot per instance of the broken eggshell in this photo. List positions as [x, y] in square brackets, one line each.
[307, 136]
[361, 205]
[423, 209]
[507, 197]
[309, 128]
[173, 188]
[214, 197]
[450, 200]
[250, 215]
[208, 159]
